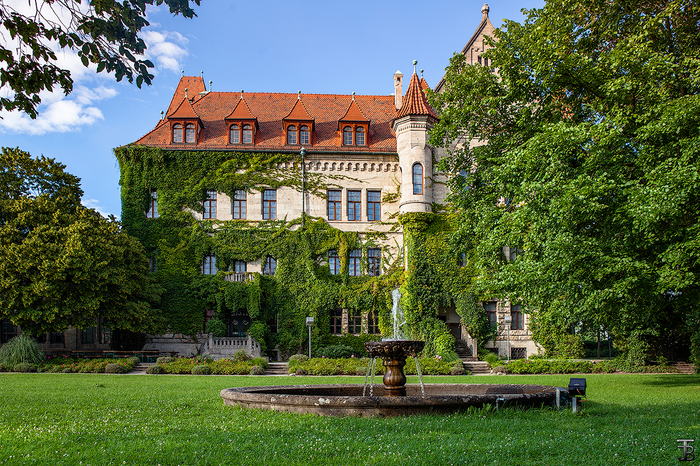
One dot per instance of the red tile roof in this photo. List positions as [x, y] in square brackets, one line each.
[354, 113]
[192, 84]
[423, 83]
[270, 109]
[184, 110]
[415, 102]
[241, 112]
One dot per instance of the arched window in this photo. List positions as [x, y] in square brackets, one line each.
[189, 133]
[177, 132]
[304, 136]
[247, 134]
[291, 134]
[235, 135]
[360, 136]
[417, 179]
[347, 136]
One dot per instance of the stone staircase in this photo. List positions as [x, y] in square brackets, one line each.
[463, 351]
[477, 367]
[141, 367]
[684, 367]
[277, 368]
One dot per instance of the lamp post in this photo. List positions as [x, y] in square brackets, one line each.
[508, 320]
[302, 152]
[309, 323]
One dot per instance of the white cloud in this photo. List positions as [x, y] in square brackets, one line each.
[60, 113]
[94, 204]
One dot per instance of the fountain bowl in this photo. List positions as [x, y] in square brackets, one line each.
[347, 400]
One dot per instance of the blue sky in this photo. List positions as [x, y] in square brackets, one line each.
[265, 46]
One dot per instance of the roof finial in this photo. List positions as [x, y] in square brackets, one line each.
[298, 95]
[241, 93]
[162, 113]
[415, 62]
[421, 74]
[182, 73]
[201, 73]
[210, 85]
[485, 11]
[185, 93]
[353, 95]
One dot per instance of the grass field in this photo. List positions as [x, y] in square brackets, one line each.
[95, 419]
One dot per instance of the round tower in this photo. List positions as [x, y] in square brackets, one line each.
[411, 125]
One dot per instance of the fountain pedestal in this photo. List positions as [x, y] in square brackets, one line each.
[393, 354]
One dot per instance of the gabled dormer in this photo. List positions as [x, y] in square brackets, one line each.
[353, 127]
[185, 124]
[298, 125]
[242, 124]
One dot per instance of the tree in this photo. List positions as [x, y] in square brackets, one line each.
[584, 153]
[63, 264]
[102, 32]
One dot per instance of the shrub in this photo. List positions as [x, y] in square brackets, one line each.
[3, 368]
[113, 368]
[298, 357]
[203, 359]
[229, 367]
[155, 369]
[21, 349]
[241, 356]
[216, 327]
[134, 360]
[492, 359]
[257, 370]
[24, 367]
[457, 368]
[262, 362]
[570, 347]
[67, 370]
[336, 352]
[361, 370]
[500, 369]
[301, 371]
[445, 346]
[165, 360]
[201, 369]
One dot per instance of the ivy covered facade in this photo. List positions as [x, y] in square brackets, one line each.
[261, 209]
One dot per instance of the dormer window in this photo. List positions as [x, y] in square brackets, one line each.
[347, 136]
[291, 134]
[247, 134]
[360, 136]
[304, 135]
[235, 134]
[177, 132]
[189, 133]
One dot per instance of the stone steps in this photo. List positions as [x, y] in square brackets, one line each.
[684, 367]
[477, 367]
[277, 368]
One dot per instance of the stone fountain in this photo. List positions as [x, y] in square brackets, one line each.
[394, 398]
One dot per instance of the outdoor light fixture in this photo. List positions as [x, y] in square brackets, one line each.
[577, 389]
[508, 320]
[309, 323]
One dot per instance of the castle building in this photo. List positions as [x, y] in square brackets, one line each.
[364, 160]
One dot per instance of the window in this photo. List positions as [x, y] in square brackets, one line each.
[58, 338]
[417, 179]
[354, 206]
[518, 353]
[239, 266]
[515, 252]
[269, 204]
[374, 262]
[355, 322]
[462, 259]
[347, 136]
[177, 132]
[354, 269]
[9, 331]
[336, 321]
[152, 264]
[270, 266]
[247, 134]
[304, 135]
[334, 201]
[516, 314]
[291, 134]
[88, 335]
[235, 135]
[209, 265]
[372, 322]
[490, 309]
[374, 211]
[334, 262]
[360, 136]
[189, 133]
[210, 205]
[239, 204]
[153, 207]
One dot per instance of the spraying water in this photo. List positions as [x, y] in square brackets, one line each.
[397, 316]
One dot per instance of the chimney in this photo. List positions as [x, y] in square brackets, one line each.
[398, 89]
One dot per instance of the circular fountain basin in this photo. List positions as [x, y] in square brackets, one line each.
[347, 400]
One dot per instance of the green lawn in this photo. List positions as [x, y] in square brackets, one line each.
[72, 419]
